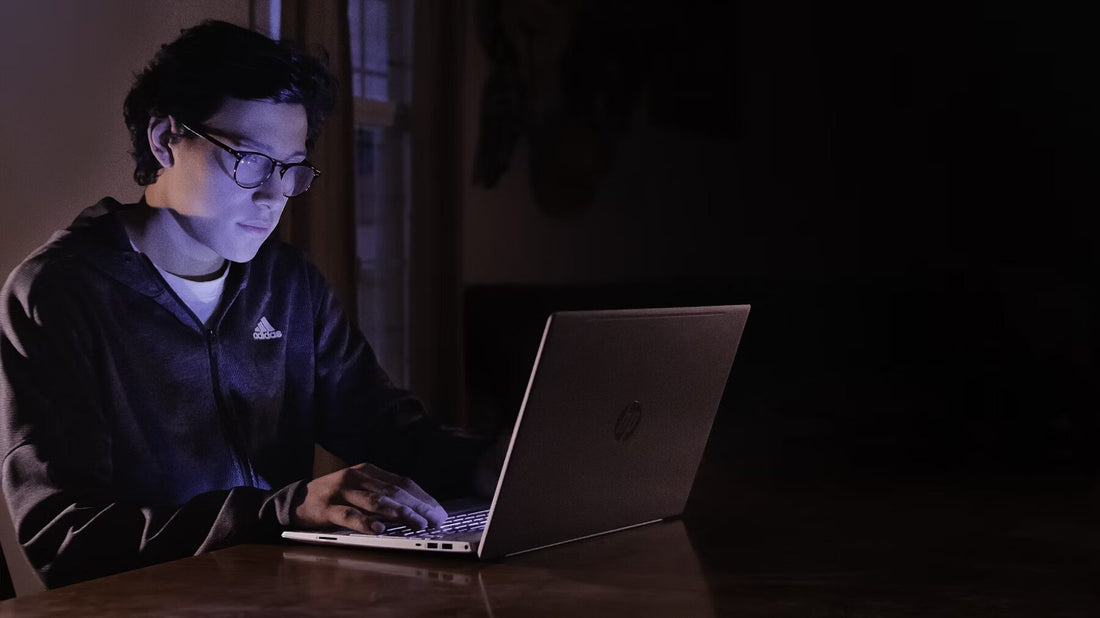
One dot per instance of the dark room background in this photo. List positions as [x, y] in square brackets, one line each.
[903, 193]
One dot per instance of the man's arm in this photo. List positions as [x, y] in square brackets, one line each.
[56, 446]
[361, 416]
[70, 535]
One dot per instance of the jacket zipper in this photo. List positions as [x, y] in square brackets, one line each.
[241, 460]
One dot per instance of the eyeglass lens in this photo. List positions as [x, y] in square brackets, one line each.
[253, 169]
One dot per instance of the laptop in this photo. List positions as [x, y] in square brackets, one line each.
[610, 434]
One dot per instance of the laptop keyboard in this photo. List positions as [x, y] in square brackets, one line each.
[465, 522]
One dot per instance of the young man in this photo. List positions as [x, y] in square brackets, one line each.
[167, 366]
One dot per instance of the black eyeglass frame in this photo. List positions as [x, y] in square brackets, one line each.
[275, 163]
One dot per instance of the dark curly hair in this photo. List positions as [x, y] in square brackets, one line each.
[191, 77]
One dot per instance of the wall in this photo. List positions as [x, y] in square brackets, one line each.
[867, 139]
[908, 202]
[65, 68]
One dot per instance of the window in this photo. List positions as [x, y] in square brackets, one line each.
[381, 51]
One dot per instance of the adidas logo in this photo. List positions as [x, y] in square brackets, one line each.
[264, 330]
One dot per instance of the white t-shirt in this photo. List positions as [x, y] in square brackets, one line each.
[201, 297]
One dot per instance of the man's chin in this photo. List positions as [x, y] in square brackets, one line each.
[241, 255]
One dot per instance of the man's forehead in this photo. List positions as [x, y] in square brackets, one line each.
[262, 125]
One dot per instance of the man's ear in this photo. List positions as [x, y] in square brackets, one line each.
[160, 134]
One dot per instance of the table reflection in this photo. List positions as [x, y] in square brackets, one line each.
[651, 570]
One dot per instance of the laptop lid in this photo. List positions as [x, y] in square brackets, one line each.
[613, 424]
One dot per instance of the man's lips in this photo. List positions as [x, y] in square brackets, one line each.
[256, 227]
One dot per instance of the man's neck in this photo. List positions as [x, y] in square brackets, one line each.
[156, 232]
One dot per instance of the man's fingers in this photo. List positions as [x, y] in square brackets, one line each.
[422, 510]
[397, 480]
[375, 503]
[353, 518]
[435, 515]
[394, 503]
[360, 497]
[423, 513]
[367, 510]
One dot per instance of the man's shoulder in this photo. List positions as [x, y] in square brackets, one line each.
[95, 228]
[65, 259]
[48, 280]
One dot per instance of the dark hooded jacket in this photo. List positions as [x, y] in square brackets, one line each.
[134, 434]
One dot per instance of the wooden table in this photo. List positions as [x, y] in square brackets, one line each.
[744, 551]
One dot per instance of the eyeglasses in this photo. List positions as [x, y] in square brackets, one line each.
[254, 168]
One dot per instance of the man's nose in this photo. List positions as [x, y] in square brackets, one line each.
[270, 193]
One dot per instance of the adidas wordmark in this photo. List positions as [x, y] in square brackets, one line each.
[264, 330]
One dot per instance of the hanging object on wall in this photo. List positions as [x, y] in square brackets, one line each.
[574, 78]
[567, 76]
[504, 101]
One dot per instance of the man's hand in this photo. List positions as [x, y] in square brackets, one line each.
[362, 497]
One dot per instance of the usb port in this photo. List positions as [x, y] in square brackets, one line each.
[433, 545]
[448, 546]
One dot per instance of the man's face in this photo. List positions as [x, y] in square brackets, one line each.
[209, 206]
